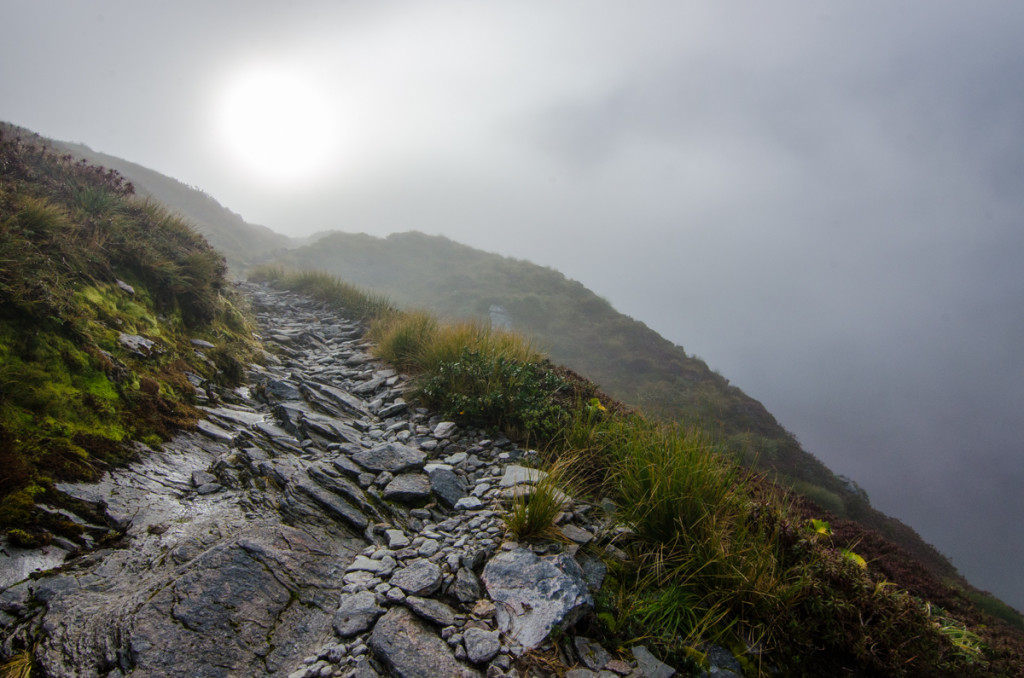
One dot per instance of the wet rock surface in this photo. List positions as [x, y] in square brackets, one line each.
[315, 524]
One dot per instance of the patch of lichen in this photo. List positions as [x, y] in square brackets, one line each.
[72, 395]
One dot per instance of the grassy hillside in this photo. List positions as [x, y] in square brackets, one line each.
[242, 243]
[713, 553]
[584, 332]
[101, 297]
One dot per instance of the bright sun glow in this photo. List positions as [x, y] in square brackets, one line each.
[277, 124]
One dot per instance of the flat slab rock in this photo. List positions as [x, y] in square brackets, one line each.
[411, 649]
[391, 457]
[257, 600]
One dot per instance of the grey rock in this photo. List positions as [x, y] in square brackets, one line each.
[432, 610]
[591, 654]
[410, 649]
[419, 578]
[125, 286]
[445, 429]
[535, 595]
[468, 504]
[392, 410]
[214, 432]
[649, 665]
[521, 475]
[409, 488]
[447, 486]
[200, 477]
[138, 345]
[481, 645]
[466, 587]
[397, 539]
[721, 663]
[335, 505]
[356, 613]
[201, 343]
[278, 390]
[392, 457]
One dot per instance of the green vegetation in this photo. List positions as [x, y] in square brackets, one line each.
[83, 264]
[713, 552]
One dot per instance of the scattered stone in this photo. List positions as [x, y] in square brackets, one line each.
[521, 475]
[215, 432]
[125, 286]
[420, 578]
[391, 457]
[397, 539]
[200, 477]
[481, 645]
[468, 504]
[431, 610]
[445, 429]
[201, 343]
[466, 587]
[447, 486]
[409, 488]
[591, 654]
[356, 613]
[649, 665]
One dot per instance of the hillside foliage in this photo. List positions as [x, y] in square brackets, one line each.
[711, 551]
[101, 295]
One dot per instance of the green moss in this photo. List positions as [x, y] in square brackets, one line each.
[70, 393]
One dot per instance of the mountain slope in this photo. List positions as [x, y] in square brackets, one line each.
[584, 332]
[241, 243]
[104, 301]
[575, 326]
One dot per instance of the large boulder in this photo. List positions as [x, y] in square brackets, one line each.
[410, 649]
[536, 595]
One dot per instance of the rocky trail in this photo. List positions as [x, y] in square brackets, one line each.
[316, 524]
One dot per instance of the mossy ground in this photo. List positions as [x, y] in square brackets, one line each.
[73, 240]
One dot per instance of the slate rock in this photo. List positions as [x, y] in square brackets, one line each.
[521, 475]
[356, 613]
[408, 488]
[591, 654]
[419, 578]
[481, 645]
[278, 389]
[445, 429]
[391, 457]
[535, 595]
[649, 665]
[432, 610]
[410, 649]
[466, 587]
[447, 486]
[721, 663]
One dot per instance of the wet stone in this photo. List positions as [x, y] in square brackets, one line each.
[356, 613]
[391, 457]
[409, 488]
[420, 578]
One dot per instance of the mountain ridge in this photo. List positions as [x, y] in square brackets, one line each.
[417, 270]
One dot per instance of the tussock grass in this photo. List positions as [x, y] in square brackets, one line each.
[362, 304]
[535, 509]
[714, 552]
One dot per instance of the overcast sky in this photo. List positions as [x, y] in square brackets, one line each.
[822, 200]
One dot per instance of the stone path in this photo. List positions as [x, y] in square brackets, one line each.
[317, 525]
